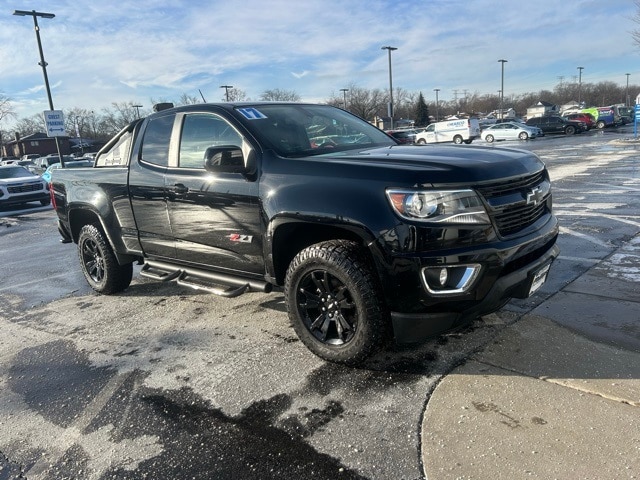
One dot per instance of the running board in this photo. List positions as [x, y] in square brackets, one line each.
[203, 280]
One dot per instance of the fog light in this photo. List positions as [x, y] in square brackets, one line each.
[452, 280]
[444, 276]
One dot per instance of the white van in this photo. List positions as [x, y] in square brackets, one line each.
[456, 131]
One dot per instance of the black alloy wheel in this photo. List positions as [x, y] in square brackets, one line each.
[99, 264]
[333, 302]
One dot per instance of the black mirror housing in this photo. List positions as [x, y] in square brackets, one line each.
[224, 158]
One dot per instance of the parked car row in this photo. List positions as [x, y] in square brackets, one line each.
[18, 186]
[24, 181]
[466, 130]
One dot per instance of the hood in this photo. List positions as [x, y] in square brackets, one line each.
[436, 164]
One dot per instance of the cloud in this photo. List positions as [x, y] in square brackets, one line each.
[105, 52]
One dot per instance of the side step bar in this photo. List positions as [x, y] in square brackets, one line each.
[203, 280]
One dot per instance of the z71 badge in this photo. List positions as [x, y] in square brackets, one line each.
[236, 237]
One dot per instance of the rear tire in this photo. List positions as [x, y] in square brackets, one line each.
[489, 138]
[99, 264]
[333, 302]
[600, 125]
[457, 139]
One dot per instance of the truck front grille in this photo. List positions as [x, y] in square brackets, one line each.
[517, 203]
[25, 188]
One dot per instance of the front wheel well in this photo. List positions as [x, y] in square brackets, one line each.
[289, 239]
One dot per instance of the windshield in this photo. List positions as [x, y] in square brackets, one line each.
[15, 172]
[301, 130]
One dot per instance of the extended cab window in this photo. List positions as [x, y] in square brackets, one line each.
[201, 131]
[156, 140]
[118, 154]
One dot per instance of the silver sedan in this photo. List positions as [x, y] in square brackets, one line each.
[508, 131]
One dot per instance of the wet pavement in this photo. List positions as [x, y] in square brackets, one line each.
[553, 396]
[161, 382]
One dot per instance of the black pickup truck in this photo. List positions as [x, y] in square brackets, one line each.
[366, 238]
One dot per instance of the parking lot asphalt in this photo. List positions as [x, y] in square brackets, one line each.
[169, 384]
[550, 397]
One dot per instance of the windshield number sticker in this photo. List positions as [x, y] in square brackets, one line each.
[252, 113]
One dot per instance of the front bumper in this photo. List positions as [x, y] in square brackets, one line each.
[18, 199]
[506, 271]
[415, 327]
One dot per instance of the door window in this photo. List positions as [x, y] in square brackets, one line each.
[201, 131]
[156, 141]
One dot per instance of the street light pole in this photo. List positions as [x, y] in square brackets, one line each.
[390, 109]
[226, 90]
[502, 89]
[580, 84]
[437, 114]
[43, 64]
[626, 97]
[344, 94]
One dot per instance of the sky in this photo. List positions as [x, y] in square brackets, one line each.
[104, 52]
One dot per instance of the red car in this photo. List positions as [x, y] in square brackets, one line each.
[585, 118]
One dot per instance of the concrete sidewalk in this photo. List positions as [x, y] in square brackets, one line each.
[543, 400]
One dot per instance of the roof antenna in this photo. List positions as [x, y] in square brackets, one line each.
[202, 96]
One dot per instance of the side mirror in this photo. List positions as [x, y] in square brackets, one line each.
[228, 159]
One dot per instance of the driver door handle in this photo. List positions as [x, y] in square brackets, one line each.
[180, 188]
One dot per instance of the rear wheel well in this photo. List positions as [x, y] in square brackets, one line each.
[79, 218]
[289, 239]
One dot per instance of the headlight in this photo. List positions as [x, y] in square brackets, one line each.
[440, 206]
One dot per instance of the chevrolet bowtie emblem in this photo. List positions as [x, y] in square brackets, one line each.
[535, 196]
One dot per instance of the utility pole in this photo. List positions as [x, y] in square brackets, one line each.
[344, 94]
[502, 90]
[226, 90]
[580, 84]
[390, 49]
[43, 64]
[626, 97]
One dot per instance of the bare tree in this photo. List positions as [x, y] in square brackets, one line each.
[29, 125]
[278, 95]
[78, 122]
[186, 99]
[117, 117]
[6, 108]
[237, 95]
[636, 18]
[365, 103]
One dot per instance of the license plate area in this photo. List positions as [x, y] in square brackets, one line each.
[538, 278]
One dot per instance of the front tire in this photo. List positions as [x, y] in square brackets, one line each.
[99, 264]
[334, 303]
[457, 139]
[523, 136]
[570, 130]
